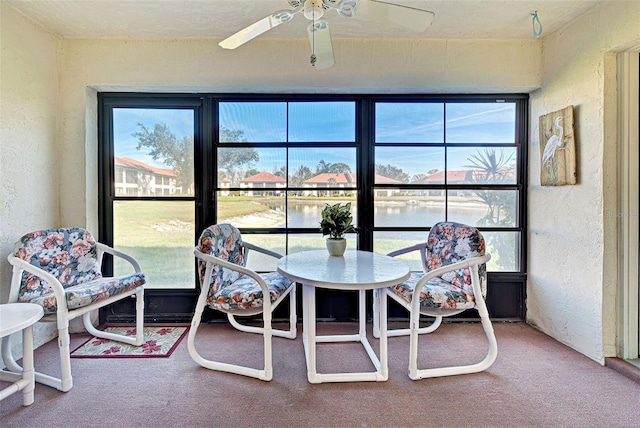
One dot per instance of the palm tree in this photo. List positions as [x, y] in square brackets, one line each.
[491, 167]
[419, 178]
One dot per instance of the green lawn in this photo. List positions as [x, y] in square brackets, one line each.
[160, 235]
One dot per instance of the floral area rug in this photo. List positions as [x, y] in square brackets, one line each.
[159, 341]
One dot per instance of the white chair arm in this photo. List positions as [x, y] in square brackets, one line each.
[107, 249]
[473, 261]
[406, 250]
[58, 289]
[262, 250]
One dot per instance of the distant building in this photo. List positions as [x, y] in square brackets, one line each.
[345, 180]
[224, 184]
[136, 178]
[467, 176]
[263, 180]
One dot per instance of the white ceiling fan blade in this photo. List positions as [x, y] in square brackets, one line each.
[381, 12]
[260, 27]
[321, 46]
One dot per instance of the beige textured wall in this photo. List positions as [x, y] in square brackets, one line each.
[572, 285]
[29, 169]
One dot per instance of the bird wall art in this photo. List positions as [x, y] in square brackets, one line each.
[558, 148]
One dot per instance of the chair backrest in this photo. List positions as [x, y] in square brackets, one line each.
[69, 254]
[224, 242]
[451, 242]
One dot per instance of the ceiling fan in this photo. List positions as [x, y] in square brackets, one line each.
[379, 12]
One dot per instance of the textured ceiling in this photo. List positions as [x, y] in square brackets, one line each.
[220, 18]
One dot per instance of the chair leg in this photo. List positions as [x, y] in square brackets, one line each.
[136, 340]
[66, 381]
[377, 296]
[265, 374]
[488, 360]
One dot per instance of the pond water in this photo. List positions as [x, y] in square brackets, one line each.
[391, 215]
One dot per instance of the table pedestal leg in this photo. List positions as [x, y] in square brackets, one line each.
[28, 373]
[310, 341]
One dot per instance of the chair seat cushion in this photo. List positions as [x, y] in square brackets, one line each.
[88, 292]
[245, 292]
[436, 293]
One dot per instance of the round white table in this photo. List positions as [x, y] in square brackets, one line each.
[356, 270]
[15, 317]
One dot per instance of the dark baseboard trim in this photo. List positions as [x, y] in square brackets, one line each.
[623, 367]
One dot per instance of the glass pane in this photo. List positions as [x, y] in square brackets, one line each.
[153, 152]
[325, 121]
[322, 168]
[493, 208]
[160, 235]
[487, 165]
[398, 208]
[480, 123]
[503, 247]
[305, 210]
[244, 210]
[251, 167]
[409, 165]
[253, 122]
[260, 262]
[309, 241]
[386, 242]
[409, 123]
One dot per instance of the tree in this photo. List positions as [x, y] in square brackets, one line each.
[302, 174]
[280, 172]
[232, 159]
[393, 172]
[493, 168]
[251, 172]
[339, 168]
[332, 168]
[419, 178]
[177, 154]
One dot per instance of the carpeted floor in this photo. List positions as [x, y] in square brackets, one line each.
[535, 382]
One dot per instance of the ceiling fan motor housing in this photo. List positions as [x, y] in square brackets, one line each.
[313, 9]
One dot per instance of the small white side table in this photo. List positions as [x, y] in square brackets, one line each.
[16, 317]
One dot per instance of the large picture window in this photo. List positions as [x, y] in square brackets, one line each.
[448, 160]
[173, 164]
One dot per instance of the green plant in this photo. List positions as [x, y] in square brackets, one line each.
[336, 220]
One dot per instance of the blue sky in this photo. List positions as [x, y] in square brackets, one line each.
[334, 122]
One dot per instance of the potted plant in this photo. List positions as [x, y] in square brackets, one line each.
[336, 222]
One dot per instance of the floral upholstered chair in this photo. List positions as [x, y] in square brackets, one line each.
[60, 270]
[453, 280]
[226, 285]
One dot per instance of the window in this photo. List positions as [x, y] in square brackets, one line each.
[278, 163]
[173, 164]
[150, 201]
[448, 160]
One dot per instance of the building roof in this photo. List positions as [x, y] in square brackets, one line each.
[381, 179]
[342, 178]
[452, 176]
[136, 164]
[347, 178]
[263, 177]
